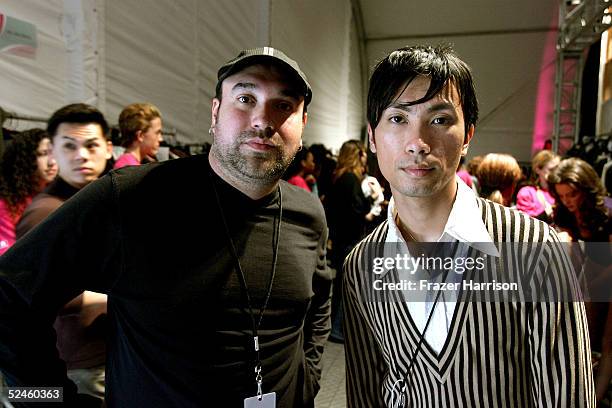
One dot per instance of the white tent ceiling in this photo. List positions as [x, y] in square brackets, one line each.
[444, 18]
[508, 44]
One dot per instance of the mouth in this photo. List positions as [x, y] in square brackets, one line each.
[84, 170]
[260, 144]
[418, 171]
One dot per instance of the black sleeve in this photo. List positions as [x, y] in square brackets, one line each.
[359, 204]
[318, 324]
[75, 249]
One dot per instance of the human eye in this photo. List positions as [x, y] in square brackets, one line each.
[92, 145]
[69, 146]
[439, 121]
[245, 99]
[285, 106]
[397, 119]
[442, 120]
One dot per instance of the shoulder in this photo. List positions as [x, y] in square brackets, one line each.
[126, 159]
[510, 225]
[171, 174]
[301, 204]
[527, 192]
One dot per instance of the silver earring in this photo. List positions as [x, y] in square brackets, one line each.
[211, 132]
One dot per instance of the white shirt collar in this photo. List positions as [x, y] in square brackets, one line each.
[464, 223]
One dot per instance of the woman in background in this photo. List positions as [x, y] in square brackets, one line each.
[348, 211]
[581, 214]
[301, 167]
[498, 175]
[535, 200]
[25, 170]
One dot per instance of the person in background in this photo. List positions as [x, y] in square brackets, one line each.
[141, 134]
[80, 146]
[580, 198]
[325, 164]
[301, 167]
[463, 173]
[535, 200]
[582, 215]
[471, 168]
[26, 169]
[498, 175]
[348, 211]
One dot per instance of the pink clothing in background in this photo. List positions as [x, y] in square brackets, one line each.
[126, 159]
[528, 202]
[7, 225]
[465, 176]
[300, 182]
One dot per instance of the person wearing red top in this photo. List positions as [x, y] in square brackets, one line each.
[141, 134]
[535, 200]
[25, 170]
[300, 168]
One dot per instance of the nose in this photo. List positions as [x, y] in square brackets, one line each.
[416, 143]
[82, 153]
[262, 121]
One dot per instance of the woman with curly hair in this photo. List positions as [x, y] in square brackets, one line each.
[582, 215]
[580, 196]
[25, 170]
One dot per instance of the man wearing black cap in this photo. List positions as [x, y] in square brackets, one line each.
[224, 304]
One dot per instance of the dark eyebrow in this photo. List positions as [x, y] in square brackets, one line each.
[72, 139]
[407, 106]
[244, 85]
[291, 93]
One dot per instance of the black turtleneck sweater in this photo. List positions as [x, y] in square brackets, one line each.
[152, 238]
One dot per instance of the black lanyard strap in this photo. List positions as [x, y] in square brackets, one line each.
[242, 279]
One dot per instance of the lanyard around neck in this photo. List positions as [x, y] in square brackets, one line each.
[255, 323]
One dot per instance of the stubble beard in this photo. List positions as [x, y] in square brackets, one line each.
[263, 168]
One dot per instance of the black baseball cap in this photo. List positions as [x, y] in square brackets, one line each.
[255, 55]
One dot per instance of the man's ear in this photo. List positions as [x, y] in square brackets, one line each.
[371, 139]
[466, 142]
[214, 112]
[304, 119]
[109, 149]
[140, 136]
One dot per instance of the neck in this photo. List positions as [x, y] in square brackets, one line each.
[254, 190]
[134, 151]
[423, 218]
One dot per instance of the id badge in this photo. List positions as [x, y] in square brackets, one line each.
[267, 401]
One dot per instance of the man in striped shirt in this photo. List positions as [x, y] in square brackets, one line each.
[447, 349]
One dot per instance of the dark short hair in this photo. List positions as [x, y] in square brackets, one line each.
[393, 74]
[80, 113]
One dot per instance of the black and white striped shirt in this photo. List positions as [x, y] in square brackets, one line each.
[497, 354]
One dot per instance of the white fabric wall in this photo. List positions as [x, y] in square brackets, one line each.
[168, 53]
[317, 34]
[506, 70]
[64, 69]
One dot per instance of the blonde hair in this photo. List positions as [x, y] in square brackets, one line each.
[541, 159]
[497, 172]
[349, 159]
[136, 117]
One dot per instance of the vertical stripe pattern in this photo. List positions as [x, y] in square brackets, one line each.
[497, 354]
